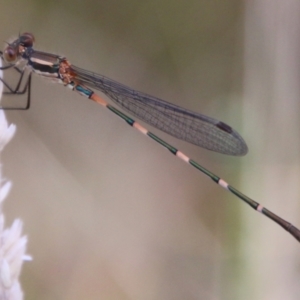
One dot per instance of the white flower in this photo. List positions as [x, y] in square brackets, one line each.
[12, 243]
[1, 76]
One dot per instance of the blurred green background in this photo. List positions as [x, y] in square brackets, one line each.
[112, 215]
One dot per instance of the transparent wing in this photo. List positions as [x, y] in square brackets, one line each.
[181, 123]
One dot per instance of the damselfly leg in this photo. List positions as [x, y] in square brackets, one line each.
[22, 86]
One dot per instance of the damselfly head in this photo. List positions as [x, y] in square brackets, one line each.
[15, 49]
[26, 40]
[10, 53]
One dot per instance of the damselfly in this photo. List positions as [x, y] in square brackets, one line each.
[181, 123]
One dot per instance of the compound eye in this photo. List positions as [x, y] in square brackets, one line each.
[10, 54]
[27, 39]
